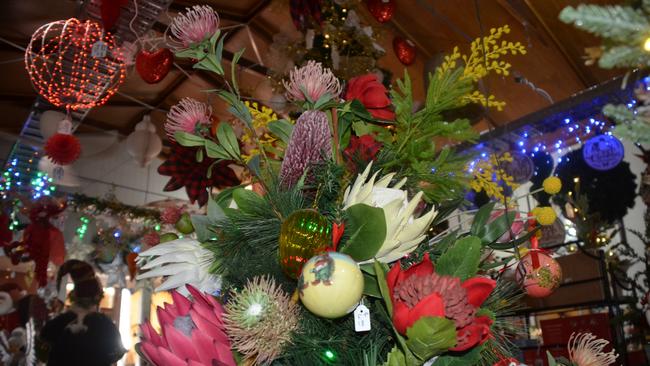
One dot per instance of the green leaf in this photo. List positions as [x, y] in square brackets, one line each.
[462, 259]
[323, 102]
[360, 110]
[473, 357]
[199, 155]
[282, 129]
[383, 286]
[431, 336]
[224, 197]
[233, 66]
[446, 242]
[551, 359]
[514, 243]
[494, 230]
[481, 218]
[215, 212]
[187, 139]
[216, 151]
[236, 107]
[247, 200]
[370, 286]
[445, 209]
[202, 225]
[254, 165]
[368, 227]
[395, 358]
[227, 139]
[368, 268]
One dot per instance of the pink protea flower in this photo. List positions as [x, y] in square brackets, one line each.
[311, 82]
[190, 116]
[192, 333]
[310, 143]
[585, 349]
[194, 26]
[170, 215]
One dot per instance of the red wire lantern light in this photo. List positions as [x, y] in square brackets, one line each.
[74, 64]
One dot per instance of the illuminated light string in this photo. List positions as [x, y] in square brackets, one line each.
[83, 228]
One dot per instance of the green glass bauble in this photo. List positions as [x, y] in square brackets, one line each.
[303, 234]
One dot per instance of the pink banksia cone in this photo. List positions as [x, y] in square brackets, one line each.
[310, 143]
[194, 26]
[192, 333]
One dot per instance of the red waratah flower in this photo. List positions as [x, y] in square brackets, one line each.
[420, 291]
[372, 94]
[192, 333]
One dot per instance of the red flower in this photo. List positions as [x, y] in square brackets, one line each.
[63, 149]
[372, 94]
[507, 362]
[364, 148]
[405, 314]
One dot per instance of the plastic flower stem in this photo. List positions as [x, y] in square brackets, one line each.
[449, 229]
[528, 194]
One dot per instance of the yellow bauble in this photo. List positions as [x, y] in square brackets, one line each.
[330, 285]
[303, 234]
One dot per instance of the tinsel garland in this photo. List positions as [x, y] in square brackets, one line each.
[80, 202]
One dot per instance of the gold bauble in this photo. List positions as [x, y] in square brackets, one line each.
[302, 235]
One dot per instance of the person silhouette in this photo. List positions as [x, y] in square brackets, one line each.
[82, 336]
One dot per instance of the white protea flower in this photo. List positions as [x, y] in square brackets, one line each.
[403, 231]
[182, 261]
[585, 349]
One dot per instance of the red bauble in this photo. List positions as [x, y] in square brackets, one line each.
[382, 10]
[404, 50]
[63, 149]
[155, 65]
[538, 274]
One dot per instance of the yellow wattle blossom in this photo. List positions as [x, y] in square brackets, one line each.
[262, 115]
[484, 58]
[489, 176]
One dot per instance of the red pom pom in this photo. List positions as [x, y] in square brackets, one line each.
[63, 149]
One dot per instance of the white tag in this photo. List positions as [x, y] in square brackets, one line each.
[99, 50]
[361, 318]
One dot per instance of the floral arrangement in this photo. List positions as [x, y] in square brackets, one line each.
[328, 257]
[585, 349]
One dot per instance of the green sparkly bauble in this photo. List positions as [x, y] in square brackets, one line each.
[302, 235]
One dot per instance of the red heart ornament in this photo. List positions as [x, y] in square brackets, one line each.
[154, 66]
[404, 50]
[382, 10]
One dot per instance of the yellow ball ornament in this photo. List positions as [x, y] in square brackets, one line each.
[552, 185]
[331, 285]
[303, 234]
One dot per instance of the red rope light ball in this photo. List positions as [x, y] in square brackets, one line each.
[74, 64]
[63, 149]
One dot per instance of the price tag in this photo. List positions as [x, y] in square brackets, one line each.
[99, 50]
[361, 318]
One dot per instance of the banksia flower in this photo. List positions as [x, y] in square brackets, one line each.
[585, 349]
[310, 143]
[194, 26]
[190, 116]
[311, 82]
[260, 320]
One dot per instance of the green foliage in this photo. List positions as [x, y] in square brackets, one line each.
[624, 29]
[411, 151]
[631, 126]
[473, 357]
[462, 259]
[367, 226]
[430, 336]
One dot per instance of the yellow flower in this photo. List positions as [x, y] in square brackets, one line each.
[545, 215]
[262, 115]
[488, 176]
[552, 185]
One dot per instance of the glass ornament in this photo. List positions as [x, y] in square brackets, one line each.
[303, 234]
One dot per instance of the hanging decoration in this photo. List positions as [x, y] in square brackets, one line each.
[144, 144]
[41, 242]
[74, 64]
[186, 172]
[98, 206]
[521, 168]
[603, 152]
[63, 148]
[49, 122]
[302, 235]
[306, 14]
[330, 285]
[538, 273]
[404, 50]
[382, 10]
[153, 66]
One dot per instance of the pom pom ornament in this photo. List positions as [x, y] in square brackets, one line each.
[330, 285]
[552, 185]
[74, 64]
[303, 234]
[260, 320]
[538, 274]
[63, 149]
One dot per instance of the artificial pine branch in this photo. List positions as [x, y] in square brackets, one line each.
[619, 23]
